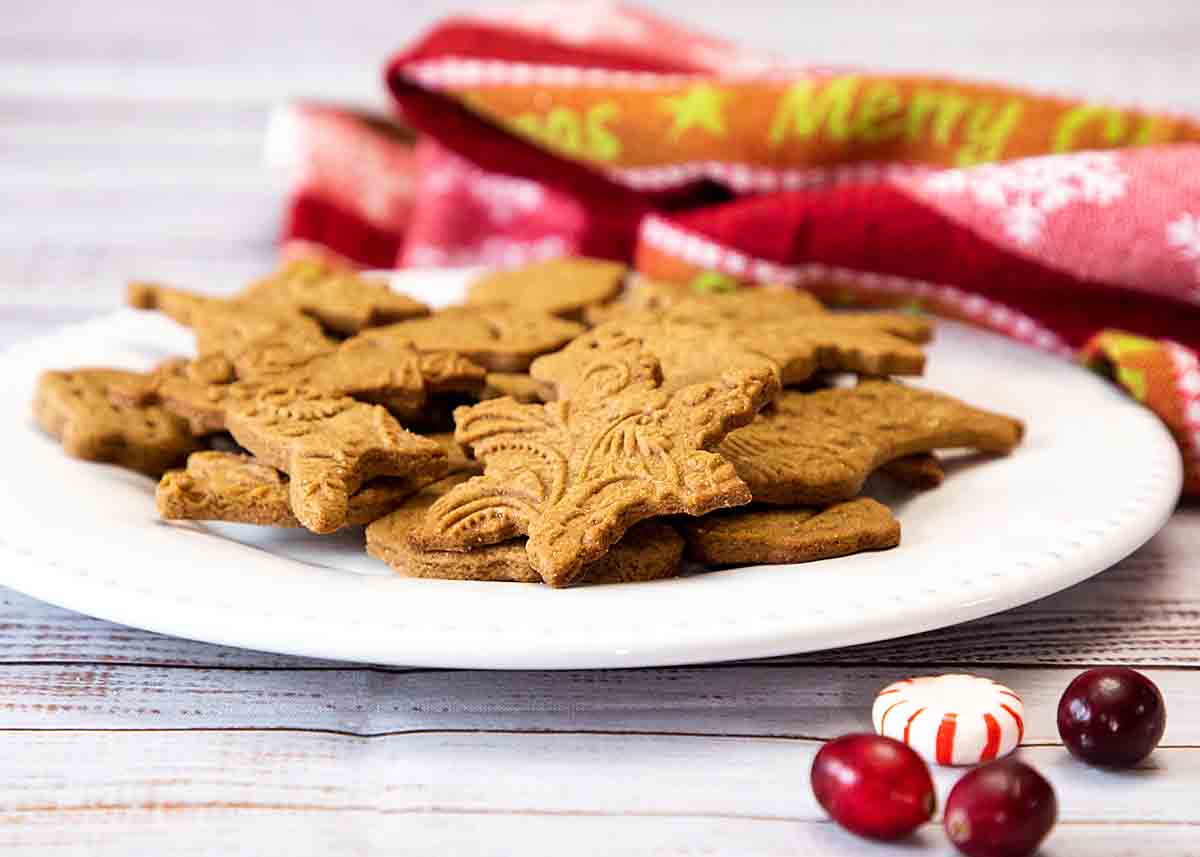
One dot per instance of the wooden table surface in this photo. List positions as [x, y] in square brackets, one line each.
[130, 145]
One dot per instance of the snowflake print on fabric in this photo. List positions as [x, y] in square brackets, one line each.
[576, 23]
[1183, 233]
[1029, 191]
[503, 198]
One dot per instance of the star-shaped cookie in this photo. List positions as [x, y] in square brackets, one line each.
[573, 475]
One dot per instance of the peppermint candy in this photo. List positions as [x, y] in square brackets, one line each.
[951, 719]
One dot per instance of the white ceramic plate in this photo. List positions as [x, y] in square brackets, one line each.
[1097, 476]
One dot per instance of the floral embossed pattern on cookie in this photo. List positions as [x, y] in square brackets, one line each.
[575, 474]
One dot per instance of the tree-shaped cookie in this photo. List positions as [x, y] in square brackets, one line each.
[74, 406]
[329, 446]
[342, 301]
[575, 474]
[817, 448]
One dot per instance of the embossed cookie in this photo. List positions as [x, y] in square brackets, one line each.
[516, 385]
[384, 371]
[650, 550]
[921, 471]
[74, 407]
[755, 534]
[677, 302]
[329, 446]
[393, 374]
[562, 287]
[501, 339]
[341, 301]
[648, 300]
[198, 391]
[224, 486]
[573, 475]
[253, 337]
[674, 355]
[817, 448]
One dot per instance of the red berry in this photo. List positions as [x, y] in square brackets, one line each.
[1001, 809]
[873, 786]
[1111, 716]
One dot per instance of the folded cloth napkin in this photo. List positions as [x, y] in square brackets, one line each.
[596, 128]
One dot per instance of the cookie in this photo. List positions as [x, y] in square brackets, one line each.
[835, 342]
[921, 471]
[393, 374]
[573, 475]
[383, 371]
[74, 407]
[561, 287]
[818, 448]
[650, 550]
[197, 391]
[329, 446]
[501, 339]
[648, 300]
[516, 385]
[676, 302]
[777, 535]
[342, 301]
[223, 486]
[676, 356]
[253, 338]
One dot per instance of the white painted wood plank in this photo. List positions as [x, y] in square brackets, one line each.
[797, 703]
[104, 831]
[124, 776]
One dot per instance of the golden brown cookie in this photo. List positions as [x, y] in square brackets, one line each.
[194, 390]
[575, 474]
[252, 337]
[650, 550]
[385, 372]
[674, 355]
[74, 407]
[516, 385]
[341, 301]
[818, 448]
[753, 534]
[224, 486]
[648, 300]
[501, 339]
[921, 471]
[329, 446]
[562, 287]
[677, 302]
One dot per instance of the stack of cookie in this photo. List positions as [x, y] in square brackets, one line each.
[602, 425]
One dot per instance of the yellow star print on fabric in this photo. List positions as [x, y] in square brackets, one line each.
[699, 106]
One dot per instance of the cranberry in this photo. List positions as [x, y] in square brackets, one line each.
[873, 786]
[1001, 809]
[1111, 716]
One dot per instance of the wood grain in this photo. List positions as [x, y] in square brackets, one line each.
[399, 786]
[130, 146]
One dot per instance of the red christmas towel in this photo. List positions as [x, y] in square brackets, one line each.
[597, 128]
